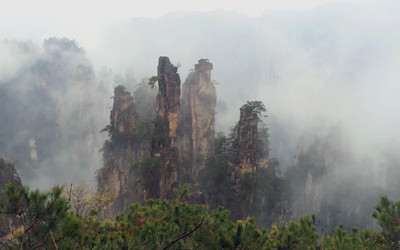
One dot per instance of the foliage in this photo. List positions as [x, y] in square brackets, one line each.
[152, 81]
[45, 220]
[160, 135]
[106, 129]
[255, 107]
[213, 178]
[387, 213]
[120, 88]
[176, 224]
[300, 235]
[239, 175]
[83, 200]
[150, 171]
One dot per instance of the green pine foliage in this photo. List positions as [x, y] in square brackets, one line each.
[44, 220]
[41, 219]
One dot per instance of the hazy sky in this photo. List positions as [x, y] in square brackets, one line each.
[98, 10]
[81, 19]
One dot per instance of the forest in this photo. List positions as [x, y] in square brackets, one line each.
[54, 220]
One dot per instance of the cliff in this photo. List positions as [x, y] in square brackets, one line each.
[8, 175]
[120, 152]
[240, 176]
[141, 157]
[150, 158]
[197, 119]
[169, 92]
[247, 155]
[164, 145]
[247, 151]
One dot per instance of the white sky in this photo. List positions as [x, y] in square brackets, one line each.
[100, 10]
[80, 19]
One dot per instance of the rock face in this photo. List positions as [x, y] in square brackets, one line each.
[122, 116]
[150, 153]
[169, 92]
[141, 157]
[32, 147]
[247, 153]
[197, 119]
[8, 175]
[165, 145]
[120, 152]
[153, 150]
[299, 151]
[244, 162]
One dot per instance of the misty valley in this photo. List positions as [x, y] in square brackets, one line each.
[257, 133]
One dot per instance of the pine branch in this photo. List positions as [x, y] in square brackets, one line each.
[184, 235]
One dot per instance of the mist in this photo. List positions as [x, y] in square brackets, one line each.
[332, 65]
[331, 68]
[53, 107]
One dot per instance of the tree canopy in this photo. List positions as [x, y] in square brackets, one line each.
[43, 220]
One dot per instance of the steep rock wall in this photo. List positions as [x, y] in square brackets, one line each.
[141, 157]
[251, 175]
[121, 152]
[8, 175]
[244, 148]
[197, 120]
[165, 144]
[169, 92]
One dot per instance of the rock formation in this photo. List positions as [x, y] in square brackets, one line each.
[167, 107]
[299, 151]
[141, 157]
[248, 153]
[197, 119]
[8, 175]
[150, 157]
[169, 92]
[120, 152]
[32, 147]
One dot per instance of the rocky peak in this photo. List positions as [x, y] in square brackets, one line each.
[245, 145]
[164, 142]
[140, 160]
[249, 163]
[8, 175]
[169, 92]
[299, 151]
[122, 117]
[204, 67]
[120, 152]
[197, 119]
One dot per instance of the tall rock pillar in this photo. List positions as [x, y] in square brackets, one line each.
[197, 120]
[169, 93]
[120, 152]
[166, 123]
